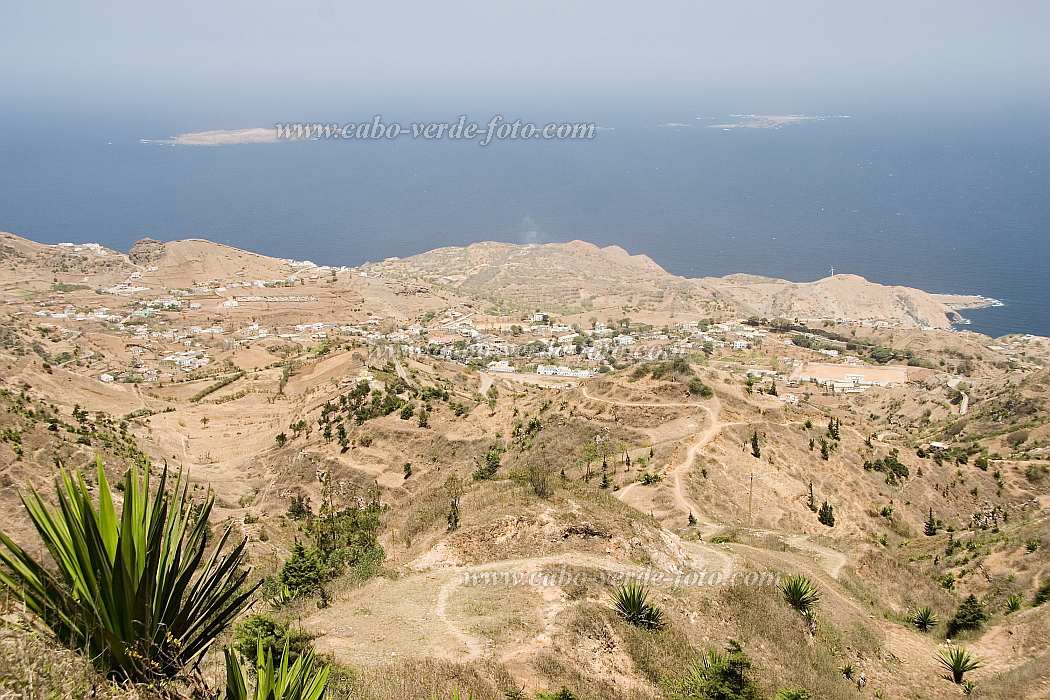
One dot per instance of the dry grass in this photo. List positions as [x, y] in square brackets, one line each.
[1029, 680]
[33, 666]
[785, 655]
[426, 679]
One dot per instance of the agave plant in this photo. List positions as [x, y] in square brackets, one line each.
[134, 594]
[297, 681]
[631, 602]
[957, 661]
[924, 619]
[1014, 603]
[800, 593]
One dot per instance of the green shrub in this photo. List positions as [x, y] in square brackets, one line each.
[792, 694]
[273, 635]
[718, 676]
[563, 694]
[970, 616]
[698, 388]
[826, 516]
[1043, 594]
[302, 573]
[489, 464]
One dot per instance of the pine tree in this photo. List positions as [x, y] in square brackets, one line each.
[812, 500]
[826, 516]
[825, 450]
[931, 525]
[755, 449]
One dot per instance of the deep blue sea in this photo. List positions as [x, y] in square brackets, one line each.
[931, 201]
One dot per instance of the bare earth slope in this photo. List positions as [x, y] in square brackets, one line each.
[579, 277]
[510, 504]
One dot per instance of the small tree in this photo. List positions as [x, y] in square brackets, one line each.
[970, 616]
[930, 528]
[812, 502]
[756, 450]
[718, 675]
[826, 516]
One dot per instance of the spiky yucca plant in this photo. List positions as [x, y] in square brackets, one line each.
[958, 661]
[295, 681]
[1014, 603]
[800, 593]
[134, 594]
[631, 602]
[924, 619]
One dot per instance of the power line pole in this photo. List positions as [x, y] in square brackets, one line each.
[750, 522]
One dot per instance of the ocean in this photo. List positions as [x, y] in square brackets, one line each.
[925, 200]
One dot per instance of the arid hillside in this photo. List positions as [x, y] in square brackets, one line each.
[579, 278]
[443, 490]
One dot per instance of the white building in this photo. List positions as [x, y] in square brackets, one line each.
[558, 371]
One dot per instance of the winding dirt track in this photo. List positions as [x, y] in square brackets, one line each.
[830, 560]
[430, 592]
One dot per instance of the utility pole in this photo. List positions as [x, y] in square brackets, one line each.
[750, 488]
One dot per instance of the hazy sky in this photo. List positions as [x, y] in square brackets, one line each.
[265, 58]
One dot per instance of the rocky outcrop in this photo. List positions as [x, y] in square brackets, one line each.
[146, 251]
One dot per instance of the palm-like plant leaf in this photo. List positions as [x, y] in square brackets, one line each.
[924, 619]
[632, 604]
[298, 681]
[958, 661]
[129, 591]
[800, 593]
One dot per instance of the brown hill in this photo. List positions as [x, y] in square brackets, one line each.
[579, 277]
